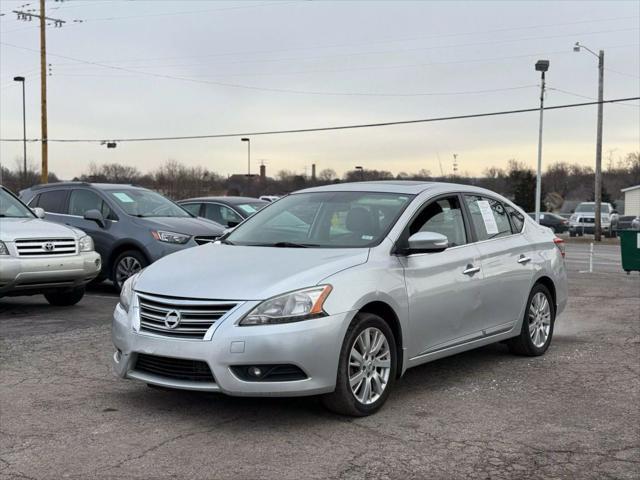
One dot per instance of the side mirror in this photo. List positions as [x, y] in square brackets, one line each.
[95, 216]
[39, 212]
[427, 242]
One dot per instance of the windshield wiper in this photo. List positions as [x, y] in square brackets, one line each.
[226, 242]
[290, 245]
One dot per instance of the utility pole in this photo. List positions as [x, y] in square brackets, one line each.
[455, 164]
[598, 195]
[28, 15]
[598, 183]
[24, 130]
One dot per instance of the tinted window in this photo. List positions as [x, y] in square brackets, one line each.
[193, 208]
[221, 214]
[489, 217]
[82, 200]
[443, 216]
[517, 219]
[52, 201]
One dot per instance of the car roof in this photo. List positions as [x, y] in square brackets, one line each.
[409, 187]
[99, 186]
[229, 199]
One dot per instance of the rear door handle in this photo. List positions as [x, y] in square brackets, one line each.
[522, 260]
[470, 270]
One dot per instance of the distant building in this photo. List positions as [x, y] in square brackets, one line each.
[631, 200]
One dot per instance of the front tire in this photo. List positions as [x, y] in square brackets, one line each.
[65, 298]
[537, 325]
[367, 368]
[126, 264]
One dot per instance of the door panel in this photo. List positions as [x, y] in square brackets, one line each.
[444, 302]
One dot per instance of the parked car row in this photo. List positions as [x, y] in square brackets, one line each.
[123, 227]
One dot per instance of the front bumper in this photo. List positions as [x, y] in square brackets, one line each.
[587, 228]
[30, 275]
[312, 345]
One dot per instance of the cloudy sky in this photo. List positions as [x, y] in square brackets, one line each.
[172, 68]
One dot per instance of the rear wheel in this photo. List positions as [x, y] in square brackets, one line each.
[65, 298]
[537, 324]
[127, 263]
[367, 368]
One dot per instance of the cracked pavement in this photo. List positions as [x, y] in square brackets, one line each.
[484, 414]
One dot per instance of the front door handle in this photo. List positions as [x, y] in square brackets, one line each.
[522, 260]
[470, 270]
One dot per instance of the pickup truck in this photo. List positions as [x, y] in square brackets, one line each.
[583, 219]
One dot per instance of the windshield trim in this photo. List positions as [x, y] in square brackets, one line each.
[410, 198]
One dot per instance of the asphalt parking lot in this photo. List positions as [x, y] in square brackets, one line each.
[573, 413]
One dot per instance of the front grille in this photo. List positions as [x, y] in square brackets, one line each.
[174, 368]
[586, 220]
[193, 317]
[203, 240]
[46, 246]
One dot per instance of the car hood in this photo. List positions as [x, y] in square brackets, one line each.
[230, 272]
[13, 228]
[186, 225]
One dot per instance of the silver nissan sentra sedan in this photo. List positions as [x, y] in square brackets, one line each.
[337, 290]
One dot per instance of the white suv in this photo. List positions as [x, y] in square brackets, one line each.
[583, 219]
[37, 256]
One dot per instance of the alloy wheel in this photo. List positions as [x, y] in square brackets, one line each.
[369, 365]
[127, 266]
[539, 319]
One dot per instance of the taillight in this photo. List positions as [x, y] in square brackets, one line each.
[560, 244]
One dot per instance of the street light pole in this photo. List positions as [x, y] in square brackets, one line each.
[541, 66]
[598, 171]
[361, 172]
[248, 140]
[24, 129]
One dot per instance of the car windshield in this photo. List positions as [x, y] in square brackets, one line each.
[591, 208]
[144, 203]
[250, 208]
[323, 220]
[11, 207]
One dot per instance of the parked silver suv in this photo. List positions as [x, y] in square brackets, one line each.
[37, 256]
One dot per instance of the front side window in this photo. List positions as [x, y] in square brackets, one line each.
[323, 219]
[80, 201]
[145, 203]
[11, 207]
[192, 208]
[221, 214]
[443, 216]
[489, 217]
[52, 201]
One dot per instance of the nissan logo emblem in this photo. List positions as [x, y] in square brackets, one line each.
[172, 319]
[49, 247]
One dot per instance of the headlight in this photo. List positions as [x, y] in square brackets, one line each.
[3, 249]
[573, 218]
[290, 307]
[126, 294]
[86, 244]
[170, 237]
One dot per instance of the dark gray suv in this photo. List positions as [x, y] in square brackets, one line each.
[130, 226]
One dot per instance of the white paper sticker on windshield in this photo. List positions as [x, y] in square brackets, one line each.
[487, 216]
[123, 197]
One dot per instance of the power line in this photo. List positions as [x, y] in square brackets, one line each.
[324, 129]
[567, 92]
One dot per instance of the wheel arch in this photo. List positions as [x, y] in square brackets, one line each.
[388, 314]
[548, 282]
[120, 248]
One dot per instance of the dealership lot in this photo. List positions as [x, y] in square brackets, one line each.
[572, 413]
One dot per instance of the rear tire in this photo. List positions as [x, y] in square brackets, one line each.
[537, 325]
[572, 233]
[369, 373]
[126, 264]
[65, 298]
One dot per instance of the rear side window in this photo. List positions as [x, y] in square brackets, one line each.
[193, 208]
[52, 201]
[489, 217]
[82, 200]
[517, 219]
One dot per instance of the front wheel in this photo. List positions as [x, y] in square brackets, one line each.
[128, 263]
[537, 324]
[65, 298]
[367, 368]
